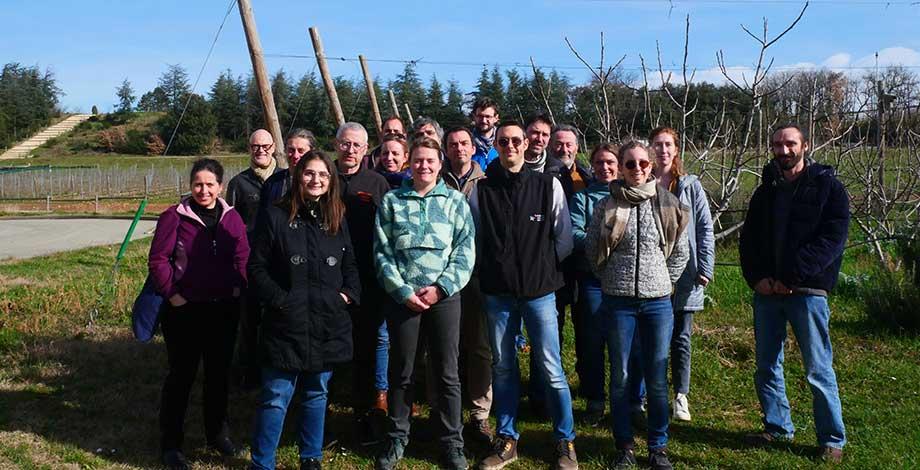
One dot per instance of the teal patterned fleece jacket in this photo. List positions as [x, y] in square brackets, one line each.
[423, 241]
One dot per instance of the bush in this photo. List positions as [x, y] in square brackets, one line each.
[195, 135]
[155, 145]
[112, 139]
[890, 297]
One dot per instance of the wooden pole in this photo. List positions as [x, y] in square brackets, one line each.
[408, 114]
[327, 79]
[372, 95]
[393, 105]
[265, 91]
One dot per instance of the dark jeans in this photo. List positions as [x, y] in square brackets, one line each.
[590, 342]
[441, 325]
[248, 352]
[366, 320]
[196, 332]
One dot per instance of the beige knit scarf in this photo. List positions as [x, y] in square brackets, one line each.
[264, 173]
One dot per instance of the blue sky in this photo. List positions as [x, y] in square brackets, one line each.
[92, 45]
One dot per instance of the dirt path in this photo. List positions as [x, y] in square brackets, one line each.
[26, 238]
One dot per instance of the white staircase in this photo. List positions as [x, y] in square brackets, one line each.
[44, 135]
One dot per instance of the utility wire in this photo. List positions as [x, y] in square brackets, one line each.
[198, 78]
[761, 2]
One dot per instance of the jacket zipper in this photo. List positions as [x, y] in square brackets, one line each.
[638, 241]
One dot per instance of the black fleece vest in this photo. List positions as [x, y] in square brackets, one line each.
[518, 251]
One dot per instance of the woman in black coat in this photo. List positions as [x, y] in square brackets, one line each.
[303, 268]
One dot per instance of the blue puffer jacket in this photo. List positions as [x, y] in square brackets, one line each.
[688, 293]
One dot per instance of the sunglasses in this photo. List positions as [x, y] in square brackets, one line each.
[632, 164]
[514, 141]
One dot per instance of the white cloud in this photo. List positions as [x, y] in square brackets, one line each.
[891, 56]
[841, 59]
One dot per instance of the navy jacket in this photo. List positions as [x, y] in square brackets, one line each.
[817, 222]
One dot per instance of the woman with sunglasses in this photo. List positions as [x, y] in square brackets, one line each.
[303, 269]
[688, 293]
[637, 246]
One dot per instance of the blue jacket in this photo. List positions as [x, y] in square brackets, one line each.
[581, 207]
[688, 293]
[816, 230]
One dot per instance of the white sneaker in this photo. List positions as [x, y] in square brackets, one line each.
[681, 408]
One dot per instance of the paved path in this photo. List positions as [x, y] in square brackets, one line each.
[25, 238]
[26, 147]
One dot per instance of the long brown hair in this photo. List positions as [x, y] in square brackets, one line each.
[677, 165]
[330, 203]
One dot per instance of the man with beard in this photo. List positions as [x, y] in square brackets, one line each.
[485, 117]
[536, 157]
[573, 175]
[791, 248]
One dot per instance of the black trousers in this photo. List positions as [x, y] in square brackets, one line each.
[441, 324]
[197, 332]
[366, 319]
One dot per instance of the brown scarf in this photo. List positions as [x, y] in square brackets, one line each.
[264, 173]
[670, 216]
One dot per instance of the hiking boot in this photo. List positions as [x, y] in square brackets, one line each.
[479, 430]
[416, 411]
[380, 402]
[225, 447]
[831, 454]
[681, 408]
[454, 459]
[626, 459]
[174, 460]
[658, 459]
[504, 451]
[565, 455]
[764, 438]
[311, 464]
[391, 454]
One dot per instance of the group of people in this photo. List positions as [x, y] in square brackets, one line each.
[453, 248]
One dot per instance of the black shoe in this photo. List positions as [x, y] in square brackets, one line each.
[225, 447]
[658, 460]
[174, 460]
[311, 464]
[454, 459]
[626, 459]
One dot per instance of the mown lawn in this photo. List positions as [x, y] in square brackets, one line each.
[76, 391]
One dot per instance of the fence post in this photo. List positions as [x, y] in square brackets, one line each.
[47, 203]
[97, 204]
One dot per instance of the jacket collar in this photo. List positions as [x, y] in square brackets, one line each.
[408, 190]
[184, 208]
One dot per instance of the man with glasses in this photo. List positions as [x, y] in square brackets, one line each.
[485, 117]
[362, 191]
[523, 233]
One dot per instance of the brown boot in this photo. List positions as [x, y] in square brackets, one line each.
[380, 403]
[565, 456]
[504, 451]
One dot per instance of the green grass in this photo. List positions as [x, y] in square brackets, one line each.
[86, 395]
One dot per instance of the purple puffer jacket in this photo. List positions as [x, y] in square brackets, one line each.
[186, 259]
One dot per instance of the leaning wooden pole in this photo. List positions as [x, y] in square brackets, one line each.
[393, 105]
[409, 114]
[372, 95]
[327, 79]
[265, 90]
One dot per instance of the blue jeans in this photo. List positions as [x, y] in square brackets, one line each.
[808, 315]
[505, 315]
[382, 354]
[278, 388]
[589, 355]
[654, 320]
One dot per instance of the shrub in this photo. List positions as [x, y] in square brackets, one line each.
[890, 297]
[113, 138]
[155, 145]
[197, 131]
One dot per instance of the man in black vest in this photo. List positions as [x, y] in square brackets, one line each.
[523, 234]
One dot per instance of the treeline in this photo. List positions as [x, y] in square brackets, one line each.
[28, 102]
[827, 102]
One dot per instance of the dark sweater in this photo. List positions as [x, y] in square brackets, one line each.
[362, 193]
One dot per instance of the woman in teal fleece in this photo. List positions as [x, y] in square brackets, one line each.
[424, 251]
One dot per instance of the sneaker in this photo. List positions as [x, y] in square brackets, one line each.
[681, 408]
[504, 451]
[311, 464]
[626, 459]
[454, 459]
[658, 460]
[831, 454]
[764, 438]
[391, 454]
[225, 447]
[479, 430]
[565, 455]
[174, 460]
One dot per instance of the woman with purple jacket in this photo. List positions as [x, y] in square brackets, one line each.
[197, 263]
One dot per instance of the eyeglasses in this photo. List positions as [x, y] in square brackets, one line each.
[255, 147]
[514, 141]
[310, 175]
[345, 145]
[631, 164]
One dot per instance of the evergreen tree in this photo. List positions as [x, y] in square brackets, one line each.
[195, 134]
[125, 95]
[283, 92]
[409, 90]
[28, 101]
[153, 101]
[174, 83]
[227, 104]
[434, 101]
[453, 115]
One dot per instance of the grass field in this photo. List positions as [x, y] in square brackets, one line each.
[81, 395]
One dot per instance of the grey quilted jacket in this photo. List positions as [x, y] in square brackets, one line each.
[636, 267]
[688, 293]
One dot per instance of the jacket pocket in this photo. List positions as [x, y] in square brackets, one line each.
[411, 241]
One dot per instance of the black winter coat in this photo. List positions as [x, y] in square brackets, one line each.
[298, 269]
[816, 231]
[244, 194]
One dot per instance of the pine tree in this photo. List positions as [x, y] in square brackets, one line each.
[125, 95]
[409, 90]
[434, 100]
[282, 91]
[174, 82]
[453, 115]
[227, 104]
